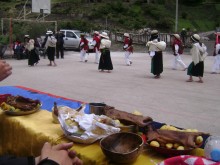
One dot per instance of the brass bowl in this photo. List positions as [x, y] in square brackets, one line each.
[122, 147]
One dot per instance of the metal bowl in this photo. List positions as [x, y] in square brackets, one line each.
[122, 147]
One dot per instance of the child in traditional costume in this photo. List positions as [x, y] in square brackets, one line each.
[83, 48]
[216, 64]
[96, 44]
[177, 47]
[128, 47]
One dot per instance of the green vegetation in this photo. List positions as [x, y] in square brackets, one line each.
[120, 15]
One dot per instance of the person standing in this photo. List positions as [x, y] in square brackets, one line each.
[183, 35]
[156, 47]
[128, 48]
[4, 40]
[59, 45]
[51, 46]
[84, 47]
[105, 62]
[216, 64]
[96, 44]
[177, 47]
[33, 57]
[198, 52]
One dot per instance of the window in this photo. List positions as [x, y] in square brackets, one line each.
[70, 35]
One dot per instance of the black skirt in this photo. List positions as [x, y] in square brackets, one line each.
[51, 53]
[105, 62]
[33, 57]
[157, 63]
[196, 70]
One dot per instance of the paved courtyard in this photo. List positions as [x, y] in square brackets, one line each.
[168, 100]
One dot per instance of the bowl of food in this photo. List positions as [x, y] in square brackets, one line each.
[19, 105]
[170, 151]
[122, 147]
[174, 142]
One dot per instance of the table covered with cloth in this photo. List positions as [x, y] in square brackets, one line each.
[25, 135]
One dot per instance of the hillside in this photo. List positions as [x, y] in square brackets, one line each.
[120, 15]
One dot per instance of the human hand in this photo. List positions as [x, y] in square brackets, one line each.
[59, 153]
[5, 70]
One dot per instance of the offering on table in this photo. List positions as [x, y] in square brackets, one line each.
[19, 105]
[85, 128]
[170, 140]
[127, 118]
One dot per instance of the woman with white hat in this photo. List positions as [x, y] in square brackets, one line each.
[51, 47]
[105, 62]
[177, 47]
[128, 47]
[198, 52]
[156, 47]
[33, 57]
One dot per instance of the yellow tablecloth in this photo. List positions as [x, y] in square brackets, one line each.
[25, 135]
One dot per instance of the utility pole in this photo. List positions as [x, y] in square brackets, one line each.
[176, 24]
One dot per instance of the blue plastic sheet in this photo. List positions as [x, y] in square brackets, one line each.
[46, 99]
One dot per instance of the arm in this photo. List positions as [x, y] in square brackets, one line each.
[5, 70]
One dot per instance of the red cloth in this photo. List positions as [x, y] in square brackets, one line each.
[188, 160]
[85, 45]
[177, 42]
[97, 39]
[128, 42]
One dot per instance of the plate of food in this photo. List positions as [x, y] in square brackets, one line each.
[174, 142]
[19, 105]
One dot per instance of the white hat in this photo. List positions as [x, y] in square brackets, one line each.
[96, 32]
[26, 36]
[104, 35]
[176, 36]
[49, 32]
[126, 35]
[195, 37]
[153, 32]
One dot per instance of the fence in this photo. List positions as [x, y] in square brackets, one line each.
[142, 39]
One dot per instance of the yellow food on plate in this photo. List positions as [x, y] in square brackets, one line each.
[180, 148]
[169, 145]
[154, 144]
[199, 139]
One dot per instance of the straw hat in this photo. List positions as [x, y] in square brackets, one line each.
[195, 37]
[154, 32]
[26, 36]
[176, 36]
[49, 32]
[126, 35]
[104, 35]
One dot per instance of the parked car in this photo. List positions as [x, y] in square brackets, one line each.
[72, 39]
